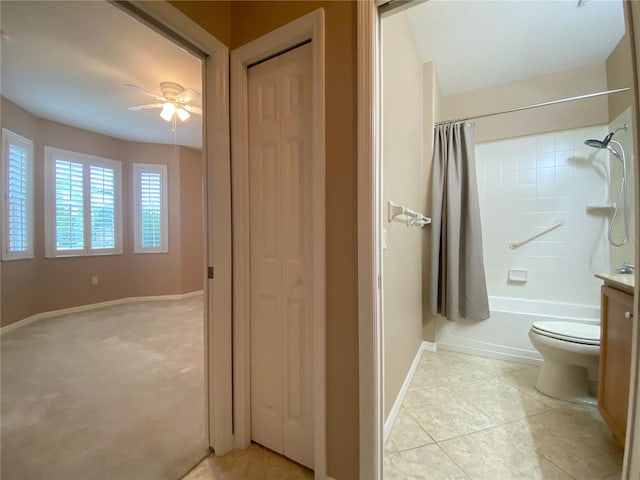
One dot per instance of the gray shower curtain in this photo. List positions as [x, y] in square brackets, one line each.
[458, 285]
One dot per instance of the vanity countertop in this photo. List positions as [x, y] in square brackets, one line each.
[624, 281]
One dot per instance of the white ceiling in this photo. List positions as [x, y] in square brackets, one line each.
[477, 44]
[69, 61]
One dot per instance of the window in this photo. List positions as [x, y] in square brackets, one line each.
[17, 194]
[83, 212]
[150, 215]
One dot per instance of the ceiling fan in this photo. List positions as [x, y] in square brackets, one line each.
[174, 101]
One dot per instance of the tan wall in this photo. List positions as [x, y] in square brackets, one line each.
[542, 88]
[431, 107]
[403, 183]
[45, 284]
[619, 75]
[191, 198]
[213, 16]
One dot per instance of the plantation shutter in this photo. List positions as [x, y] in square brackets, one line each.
[150, 210]
[102, 207]
[150, 214]
[18, 198]
[16, 192]
[69, 183]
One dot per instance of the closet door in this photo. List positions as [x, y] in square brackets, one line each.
[266, 259]
[280, 229]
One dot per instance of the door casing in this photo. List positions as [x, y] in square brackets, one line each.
[171, 22]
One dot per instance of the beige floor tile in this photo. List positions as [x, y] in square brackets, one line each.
[445, 414]
[441, 359]
[462, 402]
[574, 439]
[447, 371]
[525, 380]
[494, 454]
[500, 401]
[493, 365]
[254, 463]
[406, 434]
[424, 463]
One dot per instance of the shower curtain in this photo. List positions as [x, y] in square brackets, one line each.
[458, 284]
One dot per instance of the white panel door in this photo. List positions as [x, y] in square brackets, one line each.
[281, 276]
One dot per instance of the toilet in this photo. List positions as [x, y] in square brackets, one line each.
[570, 353]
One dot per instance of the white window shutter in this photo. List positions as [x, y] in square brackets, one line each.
[18, 196]
[69, 203]
[83, 204]
[150, 210]
[103, 207]
[150, 215]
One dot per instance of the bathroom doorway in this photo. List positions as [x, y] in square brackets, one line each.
[534, 170]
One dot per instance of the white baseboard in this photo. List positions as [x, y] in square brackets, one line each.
[429, 347]
[395, 410]
[491, 354]
[93, 306]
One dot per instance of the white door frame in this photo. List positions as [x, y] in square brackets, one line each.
[369, 244]
[308, 27]
[631, 462]
[371, 452]
[217, 207]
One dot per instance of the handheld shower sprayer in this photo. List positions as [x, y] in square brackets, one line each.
[622, 193]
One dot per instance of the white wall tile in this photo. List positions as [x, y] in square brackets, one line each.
[546, 174]
[545, 189]
[523, 161]
[527, 176]
[545, 143]
[541, 179]
[546, 159]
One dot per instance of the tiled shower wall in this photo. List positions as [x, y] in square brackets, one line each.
[525, 185]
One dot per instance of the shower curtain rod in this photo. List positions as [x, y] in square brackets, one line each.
[518, 109]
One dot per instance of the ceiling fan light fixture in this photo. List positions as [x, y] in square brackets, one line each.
[183, 115]
[168, 110]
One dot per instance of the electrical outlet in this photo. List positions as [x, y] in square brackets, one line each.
[94, 280]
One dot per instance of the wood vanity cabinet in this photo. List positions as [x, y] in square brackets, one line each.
[615, 359]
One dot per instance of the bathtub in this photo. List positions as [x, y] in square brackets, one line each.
[505, 334]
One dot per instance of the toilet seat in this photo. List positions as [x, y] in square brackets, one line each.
[583, 333]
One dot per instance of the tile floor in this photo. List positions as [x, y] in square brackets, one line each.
[254, 463]
[474, 418]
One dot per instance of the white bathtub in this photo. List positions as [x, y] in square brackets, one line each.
[505, 334]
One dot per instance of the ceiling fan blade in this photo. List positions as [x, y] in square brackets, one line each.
[187, 95]
[148, 106]
[147, 92]
[192, 109]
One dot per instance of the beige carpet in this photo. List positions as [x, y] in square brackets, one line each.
[115, 393]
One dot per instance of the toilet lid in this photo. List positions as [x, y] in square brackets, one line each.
[586, 333]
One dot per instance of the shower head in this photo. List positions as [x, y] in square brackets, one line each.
[592, 142]
[604, 143]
